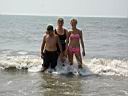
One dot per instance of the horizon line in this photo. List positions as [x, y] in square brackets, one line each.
[20, 14]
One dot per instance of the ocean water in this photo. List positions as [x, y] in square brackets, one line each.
[106, 60]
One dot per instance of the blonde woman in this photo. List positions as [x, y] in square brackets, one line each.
[74, 39]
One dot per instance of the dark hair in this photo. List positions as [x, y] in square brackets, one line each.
[60, 20]
[75, 20]
[49, 28]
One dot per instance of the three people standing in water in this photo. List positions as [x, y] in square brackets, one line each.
[61, 43]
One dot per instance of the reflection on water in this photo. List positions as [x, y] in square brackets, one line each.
[23, 83]
[60, 85]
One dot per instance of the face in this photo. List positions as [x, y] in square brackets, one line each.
[73, 23]
[60, 23]
[50, 32]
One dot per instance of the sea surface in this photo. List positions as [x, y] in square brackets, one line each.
[106, 60]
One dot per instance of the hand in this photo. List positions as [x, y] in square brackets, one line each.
[83, 53]
[65, 53]
[42, 55]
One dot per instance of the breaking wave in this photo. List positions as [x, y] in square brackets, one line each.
[100, 66]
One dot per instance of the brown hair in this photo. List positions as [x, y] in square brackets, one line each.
[60, 20]
[49, 28]
[75, 20]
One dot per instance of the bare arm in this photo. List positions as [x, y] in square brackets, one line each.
[43, 44]
[67, 39]
[82, 43]
[58, 41]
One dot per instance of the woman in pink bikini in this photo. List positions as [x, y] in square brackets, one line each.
[74, 39]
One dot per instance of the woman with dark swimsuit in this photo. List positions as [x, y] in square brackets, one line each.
[62, 34]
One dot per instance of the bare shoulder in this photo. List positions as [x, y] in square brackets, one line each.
[79, 31]
[56, 36]
[65, 29]
[70, 31]
[44, 35]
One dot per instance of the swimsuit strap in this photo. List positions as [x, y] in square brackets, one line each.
[59, 34]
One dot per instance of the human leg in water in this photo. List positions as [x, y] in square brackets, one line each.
[79, 60]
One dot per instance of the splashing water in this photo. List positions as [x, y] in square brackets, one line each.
[98, 66]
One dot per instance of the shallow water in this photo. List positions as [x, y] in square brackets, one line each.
[22, 83]
[106, 61]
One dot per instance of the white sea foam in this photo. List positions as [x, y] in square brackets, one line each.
[98, 66]
[20, 62]
[22, 52]
[109, 67]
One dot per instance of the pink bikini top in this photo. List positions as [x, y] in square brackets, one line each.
[75, 36]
